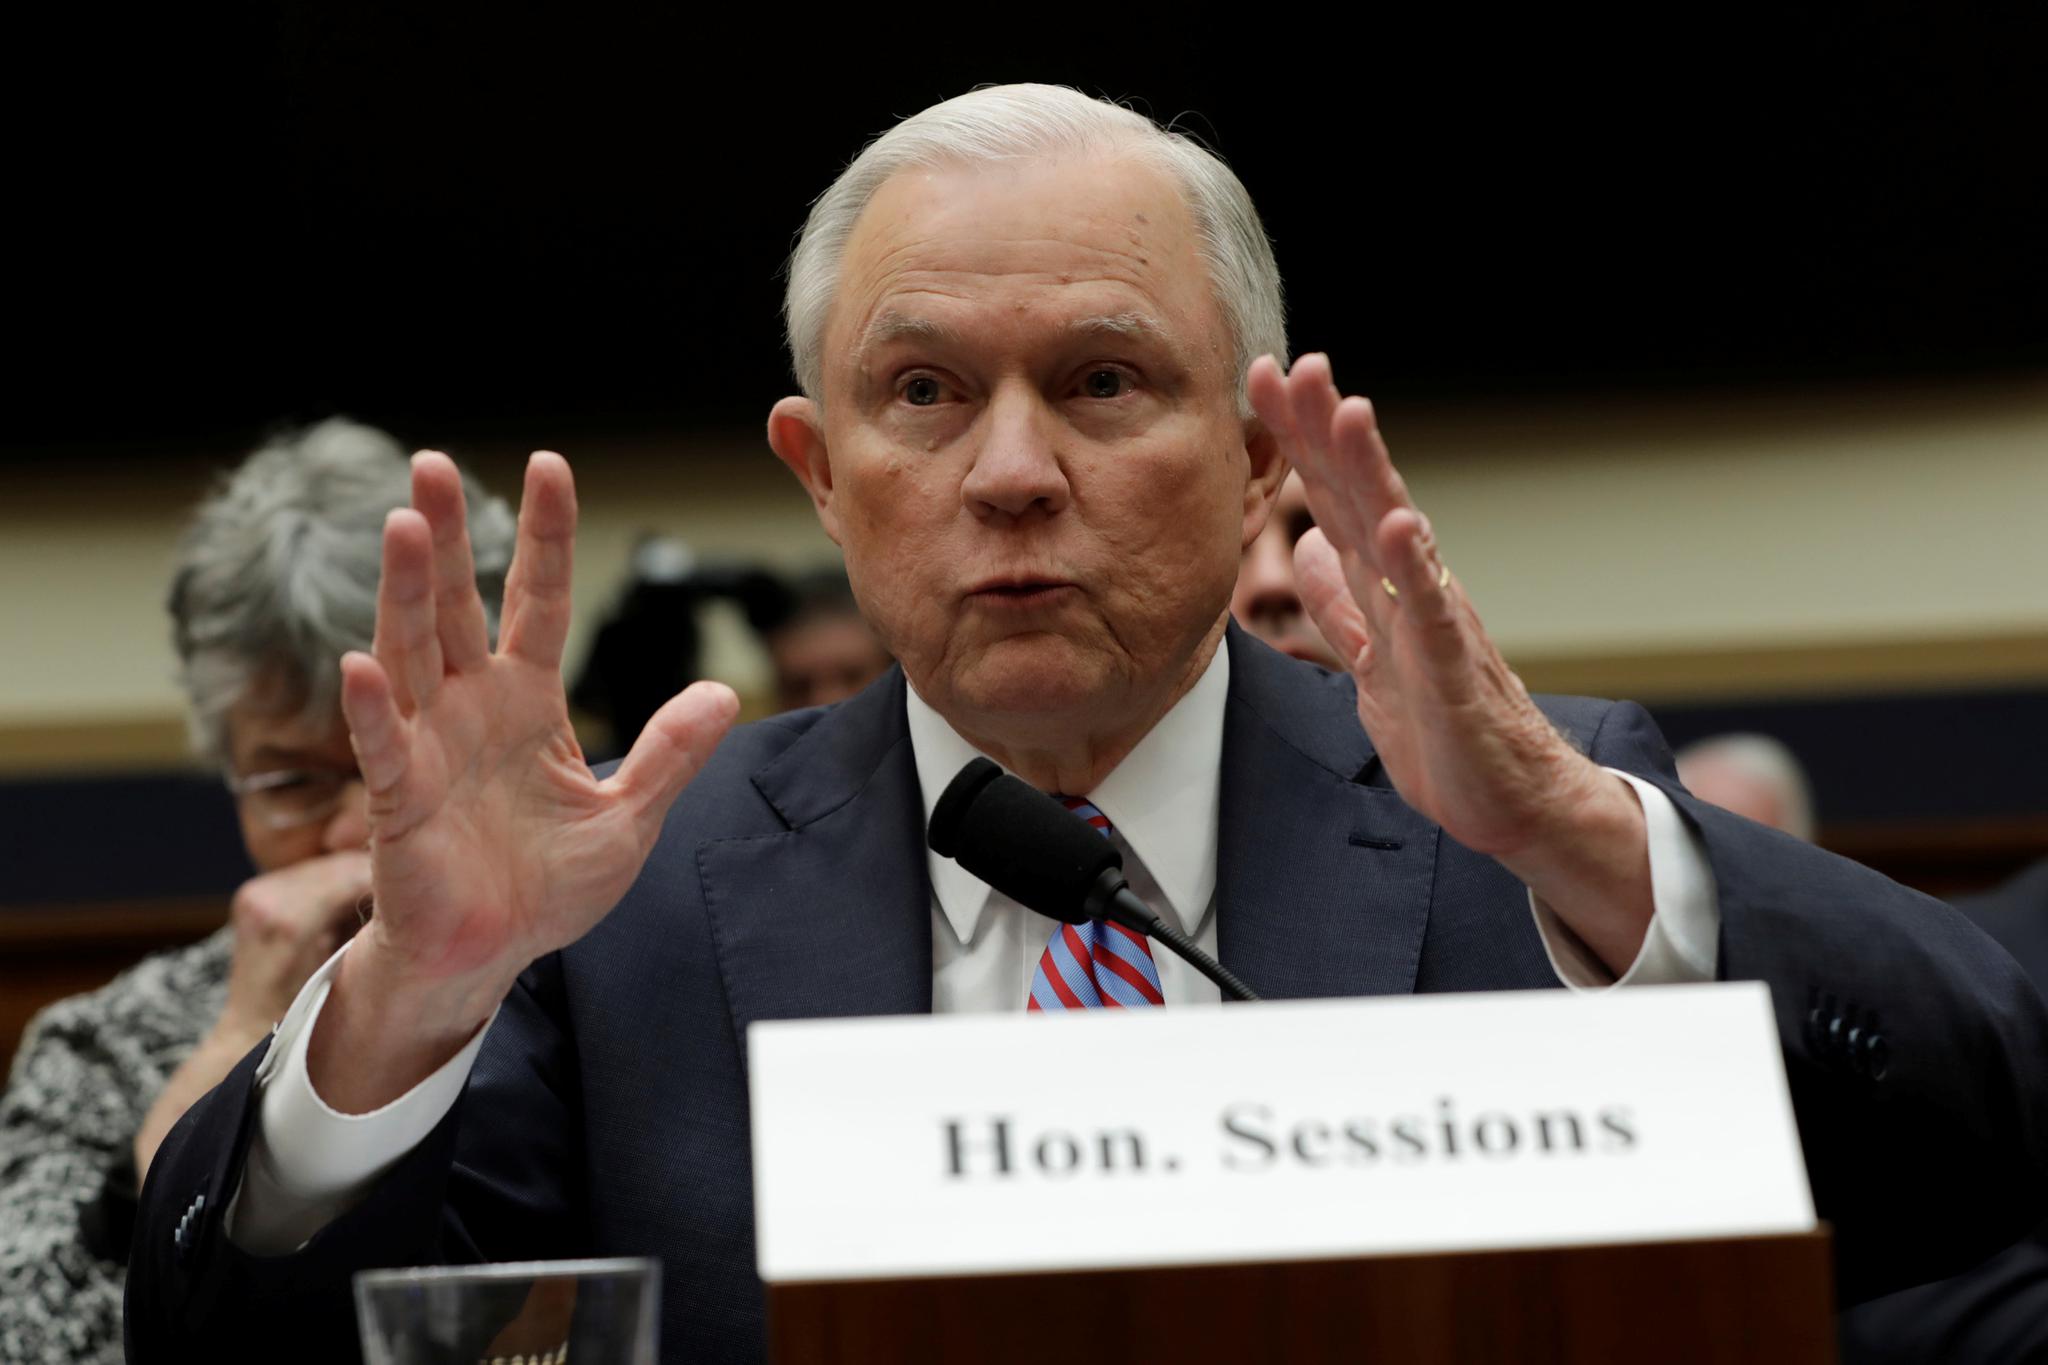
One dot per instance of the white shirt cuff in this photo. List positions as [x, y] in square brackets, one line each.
[309, 1163]
[1682, 944]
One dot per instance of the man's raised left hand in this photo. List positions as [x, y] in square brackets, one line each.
[1460, 738]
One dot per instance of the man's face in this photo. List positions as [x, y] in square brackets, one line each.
[1266, 601]
[1031, 448]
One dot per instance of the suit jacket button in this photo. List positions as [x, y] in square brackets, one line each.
[1816, 1026]
[1876, 1056]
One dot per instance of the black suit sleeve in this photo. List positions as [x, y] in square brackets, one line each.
[1996, 1312]
[1916, 1049]
[497, 1179]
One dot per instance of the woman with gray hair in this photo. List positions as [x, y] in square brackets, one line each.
[275, 579]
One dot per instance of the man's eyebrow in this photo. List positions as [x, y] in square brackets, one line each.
[894, 326]
[1131, 326]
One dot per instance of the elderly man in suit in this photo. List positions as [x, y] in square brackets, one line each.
[1043, 411]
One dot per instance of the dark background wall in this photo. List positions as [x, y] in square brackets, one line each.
[543, 219]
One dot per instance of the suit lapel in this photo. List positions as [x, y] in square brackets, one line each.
[832, 916]
[1323, 883]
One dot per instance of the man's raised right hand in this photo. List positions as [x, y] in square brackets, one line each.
[491, 842]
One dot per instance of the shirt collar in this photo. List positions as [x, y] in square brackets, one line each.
[1164, 799]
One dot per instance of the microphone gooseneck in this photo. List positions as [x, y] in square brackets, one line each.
[1120, 905]
[1035, 851]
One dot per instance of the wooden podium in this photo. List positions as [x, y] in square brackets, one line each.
[1736, 1300]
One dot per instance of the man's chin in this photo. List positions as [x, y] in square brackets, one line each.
[1033, 675]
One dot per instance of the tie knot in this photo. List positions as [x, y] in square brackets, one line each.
[1081, 806]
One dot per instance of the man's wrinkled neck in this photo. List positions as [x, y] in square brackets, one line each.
[1072, 752]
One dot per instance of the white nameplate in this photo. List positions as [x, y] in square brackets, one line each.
[936, 1146]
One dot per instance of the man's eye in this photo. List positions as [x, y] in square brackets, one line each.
[922, 391]
[1104, 384]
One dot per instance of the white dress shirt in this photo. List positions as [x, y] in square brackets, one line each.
[308, 1163]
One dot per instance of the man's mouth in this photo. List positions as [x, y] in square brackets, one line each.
[1021, 592]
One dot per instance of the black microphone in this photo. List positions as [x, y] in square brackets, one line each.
[1040, 854]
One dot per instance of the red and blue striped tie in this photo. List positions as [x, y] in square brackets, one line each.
[1097, 964]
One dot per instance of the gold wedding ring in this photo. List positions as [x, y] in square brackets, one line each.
[1443, 579]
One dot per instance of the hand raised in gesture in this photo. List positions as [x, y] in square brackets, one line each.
[492, 842]
[1457, 731]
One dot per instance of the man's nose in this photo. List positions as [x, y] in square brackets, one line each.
[349, 826]
[1017, 468]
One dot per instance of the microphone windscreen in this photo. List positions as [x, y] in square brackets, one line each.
[1020, 841]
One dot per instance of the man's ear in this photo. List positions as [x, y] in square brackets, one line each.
[796, 433]
[1268, 470]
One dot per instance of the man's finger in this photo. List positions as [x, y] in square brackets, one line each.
[1319, 577]
[536, 615]
[1363, 469]
[1314, 405]
[1366, 586]
[1305, 417]
[406, 643]
[1266, 386]
[672, 749]
[377, 732]
[1427, 603]
[458, 610]
[1312, 393]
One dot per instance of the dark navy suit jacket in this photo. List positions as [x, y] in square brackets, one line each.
[607, 1112]
[1997, 1311]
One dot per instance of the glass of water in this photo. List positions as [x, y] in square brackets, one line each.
[531, 1312]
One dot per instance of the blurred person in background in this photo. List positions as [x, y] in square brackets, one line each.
[823, 650]
[1265, 601]
[1754, 776]
[650, 644]
[275, 578]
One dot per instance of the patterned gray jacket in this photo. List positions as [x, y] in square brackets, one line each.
[88, 1069]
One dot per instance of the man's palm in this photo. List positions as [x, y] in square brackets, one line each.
[1459, 735]
[492, 842]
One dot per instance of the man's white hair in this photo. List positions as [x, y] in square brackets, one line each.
[1012, 121]
[1765, 761]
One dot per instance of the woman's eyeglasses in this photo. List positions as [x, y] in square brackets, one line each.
[290, 797]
